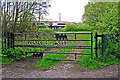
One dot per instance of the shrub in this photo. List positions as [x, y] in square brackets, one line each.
[45, 30]
[84, 27]
[11, 53]
[74, 27]
[70, 27]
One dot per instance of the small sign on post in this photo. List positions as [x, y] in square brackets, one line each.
[34, 26]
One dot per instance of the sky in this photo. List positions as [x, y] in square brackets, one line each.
[71, 10]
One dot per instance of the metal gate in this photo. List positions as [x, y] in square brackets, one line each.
[53, 43]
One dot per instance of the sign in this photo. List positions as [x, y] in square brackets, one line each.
[34, 26]
[34, 29]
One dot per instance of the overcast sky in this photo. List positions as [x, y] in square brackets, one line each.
[71, 10]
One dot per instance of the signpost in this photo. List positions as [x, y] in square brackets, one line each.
[34, 26]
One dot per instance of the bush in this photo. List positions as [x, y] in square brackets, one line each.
[45, 30]
[84, 27]
[74, 27]
[70, 27]
[11, 53]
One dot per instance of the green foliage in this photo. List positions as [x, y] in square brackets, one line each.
[24, 13]
[102, 16]
[110, 59]
[70, 27]
[74, 27]
[113, 47]
[95, 63]
[40, 25]
[84, 27]
[10, 55]
[45, 30]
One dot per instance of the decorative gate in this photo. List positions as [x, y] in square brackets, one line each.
[53, 43]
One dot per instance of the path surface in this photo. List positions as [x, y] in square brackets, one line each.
[22, 69]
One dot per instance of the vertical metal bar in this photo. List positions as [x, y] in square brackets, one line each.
[13, 40]
[8, 39]
[96, 44]
[91, 44]
[75, 54]
[25, 36]
[5, 38]
[103, 47]
[75, 36]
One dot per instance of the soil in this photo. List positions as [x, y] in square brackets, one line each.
[23, 69]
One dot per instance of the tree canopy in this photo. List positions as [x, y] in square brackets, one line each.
[24, 12]
[102, 16]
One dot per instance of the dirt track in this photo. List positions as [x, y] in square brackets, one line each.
[22, 69]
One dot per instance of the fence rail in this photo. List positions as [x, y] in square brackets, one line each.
[61, 37]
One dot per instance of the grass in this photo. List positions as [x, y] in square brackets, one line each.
[45, 63]
[74, 32]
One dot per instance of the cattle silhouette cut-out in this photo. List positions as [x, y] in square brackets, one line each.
[61, 37]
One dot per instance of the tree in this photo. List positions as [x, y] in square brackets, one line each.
[102, 16]
[24, 12]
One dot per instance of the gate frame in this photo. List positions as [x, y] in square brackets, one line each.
[91, 47]
[103, 36]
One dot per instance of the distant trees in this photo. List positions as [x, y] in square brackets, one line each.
[24, 12]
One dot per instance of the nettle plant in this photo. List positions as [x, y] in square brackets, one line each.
[12, 53]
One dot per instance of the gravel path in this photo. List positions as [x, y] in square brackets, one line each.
[22, 69]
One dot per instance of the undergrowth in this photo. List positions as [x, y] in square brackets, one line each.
[93, 63]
